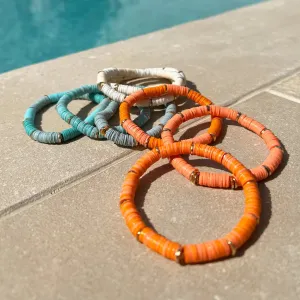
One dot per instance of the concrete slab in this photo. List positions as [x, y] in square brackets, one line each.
[226, 56]
[75, 245]
[290, 87]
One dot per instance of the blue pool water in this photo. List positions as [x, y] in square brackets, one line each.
[36, 30]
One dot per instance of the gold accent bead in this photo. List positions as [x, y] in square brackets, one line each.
[181, 114]
[257, 218]
[103, 130]
[100, 85]
[279, 147]
[147, 142]
[194, 177]
[60, 138]
[124, 201]
[232, 248]
[166, 129]
[238, 116]
[250, 181]
[138, 235]
[263, 131]
[157, 150]
[213, 136]
[267, 169]
[233, 182]
[192, 148]
[123, 122]
[132, 171]
[179, 255]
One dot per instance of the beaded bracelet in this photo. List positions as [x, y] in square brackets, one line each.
[218, 179]
[146, 93]
[87, 128]
[117, 75]
[115, 133]
[65, 135]
[192, 253]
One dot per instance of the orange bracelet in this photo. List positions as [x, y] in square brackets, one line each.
[157, 91]
[223, 180]
[192, 253]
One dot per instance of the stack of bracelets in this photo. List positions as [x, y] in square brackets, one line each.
[112, 94]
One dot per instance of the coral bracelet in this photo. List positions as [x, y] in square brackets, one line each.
[218, 179]
[166, 89]
[192, 253]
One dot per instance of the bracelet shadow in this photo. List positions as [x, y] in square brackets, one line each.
[148, 178]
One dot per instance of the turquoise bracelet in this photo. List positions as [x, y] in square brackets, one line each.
[87, 128]
[67, 134]
[124, 139]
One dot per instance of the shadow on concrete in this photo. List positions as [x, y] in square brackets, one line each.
[147, 179]
[83, 113]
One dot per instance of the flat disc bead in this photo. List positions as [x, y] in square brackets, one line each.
[204, 252]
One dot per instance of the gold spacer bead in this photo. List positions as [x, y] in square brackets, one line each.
[123, 122]
[147, 142]
[263, 131]
[103, 130]
[194, 177]
[60, 138]
[138, 235]
[233, 182]
[213, 136]
[179, 255]
[232, 248]
[257, 218]
[100, 85]
[267, 169]
[157, 150]
[279, 147]
[251, 181]
[132, 171]
[238, 116]
[192, 148]
[166, 129]
[181, 114]
[124, 201]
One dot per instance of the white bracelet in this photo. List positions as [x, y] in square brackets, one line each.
[118, 92]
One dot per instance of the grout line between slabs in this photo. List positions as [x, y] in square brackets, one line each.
[79, 178]
[283, 95]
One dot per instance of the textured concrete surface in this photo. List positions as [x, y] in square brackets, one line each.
[61, 233]
[226, 56]
[75, 244]
[289, 87]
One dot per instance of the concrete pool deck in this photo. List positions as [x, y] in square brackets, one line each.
[61, 232]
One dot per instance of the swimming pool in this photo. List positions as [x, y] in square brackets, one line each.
[32, 31]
